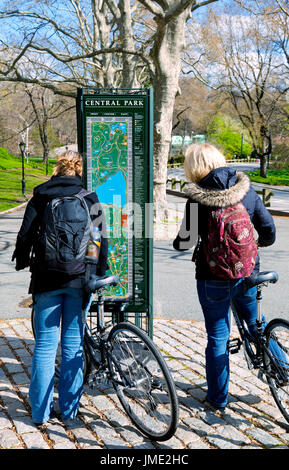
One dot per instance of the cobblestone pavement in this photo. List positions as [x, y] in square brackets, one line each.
[251, 420]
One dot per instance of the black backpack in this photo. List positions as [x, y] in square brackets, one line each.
[64, 234]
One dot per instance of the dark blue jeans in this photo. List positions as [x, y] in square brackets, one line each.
[215, 298]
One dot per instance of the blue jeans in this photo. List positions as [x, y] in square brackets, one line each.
[50, 309]
[215, 298]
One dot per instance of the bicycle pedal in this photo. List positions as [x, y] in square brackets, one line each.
[234, 345]
[91, 382]
[96, 378]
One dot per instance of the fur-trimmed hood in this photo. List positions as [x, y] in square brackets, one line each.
[220, 197]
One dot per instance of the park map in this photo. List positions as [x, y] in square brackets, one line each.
[110, 165]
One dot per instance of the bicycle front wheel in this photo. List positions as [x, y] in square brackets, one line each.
[277, 341]
[142, 382]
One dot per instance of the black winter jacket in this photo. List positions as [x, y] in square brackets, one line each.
[220, 188]
[43, 280]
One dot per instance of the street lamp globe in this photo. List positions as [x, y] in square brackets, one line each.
[22, 146]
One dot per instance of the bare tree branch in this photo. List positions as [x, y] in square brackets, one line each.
[178, 117]
[153, 8]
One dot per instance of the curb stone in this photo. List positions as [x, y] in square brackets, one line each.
[102, 423]
[14, 209]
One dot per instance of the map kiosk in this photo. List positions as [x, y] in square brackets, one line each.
[115, 137]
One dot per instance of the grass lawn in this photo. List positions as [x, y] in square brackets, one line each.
[274, 177]
[11, 179]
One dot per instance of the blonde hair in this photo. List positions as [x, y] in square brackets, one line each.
[68, 163]
[200, 159]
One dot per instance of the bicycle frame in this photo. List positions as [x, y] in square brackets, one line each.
[100, 343]
[263, 355]
[253, 359]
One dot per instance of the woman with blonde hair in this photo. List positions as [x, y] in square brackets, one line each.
[57, 294]
[68, 163]
[215, 187]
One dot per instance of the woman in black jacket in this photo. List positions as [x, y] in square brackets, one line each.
[215, 185]
[58, 296]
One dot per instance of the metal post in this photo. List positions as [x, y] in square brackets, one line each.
[22, 149]
[259, 312]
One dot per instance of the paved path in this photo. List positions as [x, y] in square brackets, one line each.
[251, 421]
[13, 284]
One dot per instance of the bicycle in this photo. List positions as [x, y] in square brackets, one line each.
[125, 355]
[268, 350]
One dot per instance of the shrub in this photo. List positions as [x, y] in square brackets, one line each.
[180, 158]
[281, 152]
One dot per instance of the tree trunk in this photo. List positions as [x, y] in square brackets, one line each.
[43, 129]
[44, 140]
[263, 166]
[129, 79]
[45, 153]
[166, 55]
[263, 157]
[101, 34]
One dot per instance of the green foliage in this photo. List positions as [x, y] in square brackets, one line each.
[274, 177]
[11, 176]
[281, 153]
[6, 159]
[180, 158]
[9, 161]
[11, 188]
[227, 136]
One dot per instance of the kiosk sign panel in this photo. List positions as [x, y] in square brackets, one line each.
[115, 138]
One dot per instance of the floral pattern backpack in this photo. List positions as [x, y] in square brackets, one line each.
[231, 248]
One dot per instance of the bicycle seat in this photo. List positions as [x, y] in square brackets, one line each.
[260, 278]
[96, 282]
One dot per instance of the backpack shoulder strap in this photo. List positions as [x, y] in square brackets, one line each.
[83, 192]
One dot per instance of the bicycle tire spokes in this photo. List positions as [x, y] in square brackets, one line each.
[130, 355]
[141, 384]
[277, 363]
[282, 346]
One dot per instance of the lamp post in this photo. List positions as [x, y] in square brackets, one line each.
[22, 149]
[242, 141]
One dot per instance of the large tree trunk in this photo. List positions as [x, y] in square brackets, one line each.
[102, 31]
[129, 79]
[166, 54]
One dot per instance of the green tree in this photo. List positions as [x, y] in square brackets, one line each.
[225, 133]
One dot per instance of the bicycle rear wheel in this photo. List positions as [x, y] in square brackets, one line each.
[277, 341]
[142, 382]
